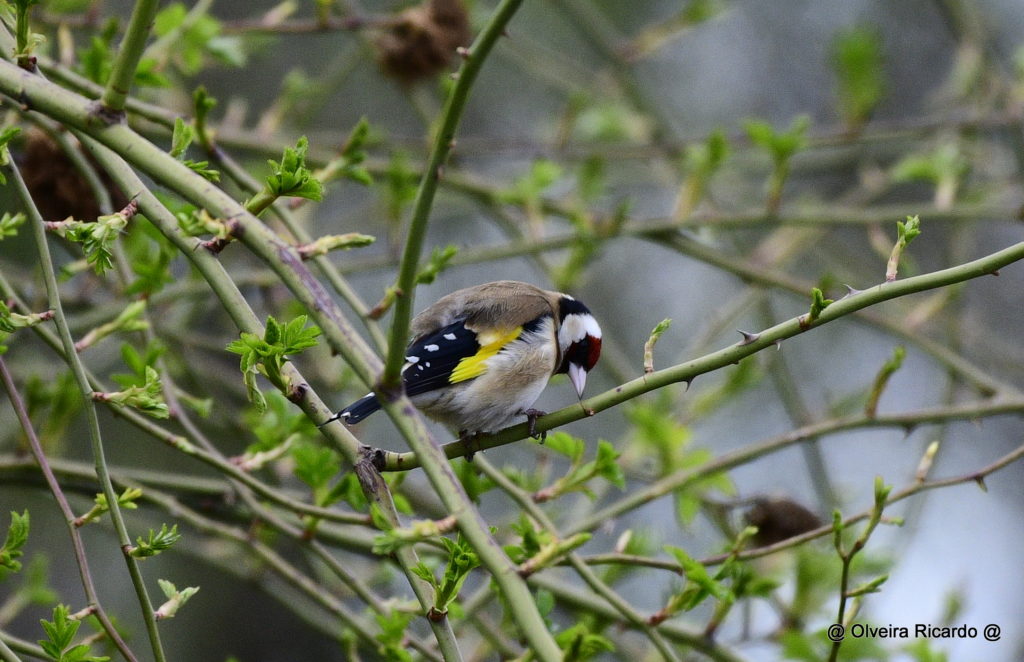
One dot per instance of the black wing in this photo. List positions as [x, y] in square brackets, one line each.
[432, 358]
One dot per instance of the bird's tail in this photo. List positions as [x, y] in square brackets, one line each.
[356, 411]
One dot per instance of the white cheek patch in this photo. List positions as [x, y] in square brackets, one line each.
[576, 327]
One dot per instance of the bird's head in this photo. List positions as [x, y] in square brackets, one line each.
[579, 341]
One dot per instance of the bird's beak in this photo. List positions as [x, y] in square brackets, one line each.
[578, 377]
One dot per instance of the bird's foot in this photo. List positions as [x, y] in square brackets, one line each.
[471, 440]
[531, 420]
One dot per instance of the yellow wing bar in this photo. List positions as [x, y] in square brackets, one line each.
[490, 344]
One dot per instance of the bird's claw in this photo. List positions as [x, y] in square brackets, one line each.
[531, 420]
[471, 440]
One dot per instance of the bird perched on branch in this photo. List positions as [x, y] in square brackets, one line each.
[481, 356]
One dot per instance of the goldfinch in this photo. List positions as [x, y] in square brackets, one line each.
[481, 356]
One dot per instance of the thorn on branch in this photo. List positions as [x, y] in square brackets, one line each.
[748, 337]
[851, 291]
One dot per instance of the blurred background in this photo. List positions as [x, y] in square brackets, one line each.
[706, 161]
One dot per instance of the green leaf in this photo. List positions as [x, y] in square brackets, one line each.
[436, 263]
[60, 632]
[175, 599]
[9, 223]
[17, 536]
[157, 542]
[315, 465]
[781, 145]
[291, 177]
[147, 398]
[857, 60]
[578, 643]
[391, 638]
[818, 304]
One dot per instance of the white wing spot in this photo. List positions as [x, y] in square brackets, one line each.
[449, 336]
[412, 359]
[431, 348]
[427, 364]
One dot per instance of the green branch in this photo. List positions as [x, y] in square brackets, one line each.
[132, 46]
[444, 141]
[686, 372]
[95, 436]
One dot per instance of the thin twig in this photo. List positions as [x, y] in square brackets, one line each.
[78, 547]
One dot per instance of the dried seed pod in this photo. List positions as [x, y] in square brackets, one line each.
[779, 518]
[420, 41]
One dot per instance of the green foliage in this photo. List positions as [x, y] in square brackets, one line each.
[780, 145]
[97, 238]
[181, 137]
[60, 633]
[315, 466]
[578, 643]
[126, 501]
[528, 188]
[175, 599]
[700, 584]
[197, 222]
[592, 179]
[610, 121]
[402, 184]
[203, 104]
[55, 403]
[9, 133]
[739, 378]
[276, 424]
[26, 41]
[704, 159]
[137, 363]
[194, 38]
[580, 473]
[664, 443]
[905, 233]
[818, 304]
[334, 242]
[150, 255]
[531, 540]
[894, 363]
[436, 263]
[291, 177]
[461, 561]
[96, 60]
[391, 638]
[268, 354]
[394, 537]
[945, 162]
[147, 397]
[157, 542]
[17, 536]
[35, 586]
[9, 223]
[128, 320]
[353, 154]
[11, 321]
[473, 481]
[858, 62]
